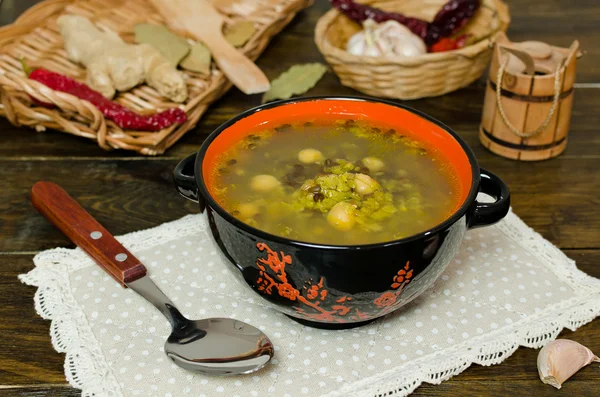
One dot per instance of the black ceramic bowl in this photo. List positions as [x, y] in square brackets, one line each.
[331, 286]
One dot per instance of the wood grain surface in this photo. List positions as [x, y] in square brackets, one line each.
[559, 198]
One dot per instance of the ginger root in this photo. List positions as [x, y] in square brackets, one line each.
[114, 65]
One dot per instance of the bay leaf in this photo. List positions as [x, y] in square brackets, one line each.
[198, 60]
[295, 81]
[171, 46]
[238, 34]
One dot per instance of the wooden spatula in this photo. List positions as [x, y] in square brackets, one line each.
[200, 20]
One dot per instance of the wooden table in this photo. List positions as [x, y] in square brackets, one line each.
[126, 192]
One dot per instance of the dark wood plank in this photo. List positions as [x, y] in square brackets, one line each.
[27, 358]
[26, 353]
[40, 391]
[587, 261]
[123, 195]
[11, 9]
[557, 198]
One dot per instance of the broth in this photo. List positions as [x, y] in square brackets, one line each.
[342, 183]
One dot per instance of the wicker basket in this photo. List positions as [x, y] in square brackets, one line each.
[35, 37]
[427, 75]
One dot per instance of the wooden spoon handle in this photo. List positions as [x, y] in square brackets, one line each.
[89, 235]
[238, 68]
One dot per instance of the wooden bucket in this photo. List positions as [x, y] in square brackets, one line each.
[528, 100]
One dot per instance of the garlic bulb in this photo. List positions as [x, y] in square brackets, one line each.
[561, 359]
[387, 39]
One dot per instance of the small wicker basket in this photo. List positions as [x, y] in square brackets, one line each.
[427, 75]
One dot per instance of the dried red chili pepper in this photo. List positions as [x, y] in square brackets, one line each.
[122, 116]
[448, 44]
[450, 18]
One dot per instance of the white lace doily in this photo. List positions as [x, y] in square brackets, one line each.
[508, 287]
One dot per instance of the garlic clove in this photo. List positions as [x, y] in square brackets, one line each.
[372, 47]
[561, 359]
[356, 44]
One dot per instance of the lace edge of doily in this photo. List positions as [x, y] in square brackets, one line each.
[85, 365]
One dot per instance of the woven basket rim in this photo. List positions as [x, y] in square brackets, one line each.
[469, 52]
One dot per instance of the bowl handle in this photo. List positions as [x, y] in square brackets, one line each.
[185, 180]
[486, 214]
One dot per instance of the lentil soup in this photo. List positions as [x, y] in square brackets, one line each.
[344, 182]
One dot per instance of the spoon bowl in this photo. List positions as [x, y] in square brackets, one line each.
[213, 346]
[240, 347]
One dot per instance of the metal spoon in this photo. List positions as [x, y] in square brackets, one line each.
[214, 346]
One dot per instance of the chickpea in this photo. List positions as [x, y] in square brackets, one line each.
[342, 216]
[264, 183]
[310, 156]
[248, 210]
[364, 184]
[374, 164]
